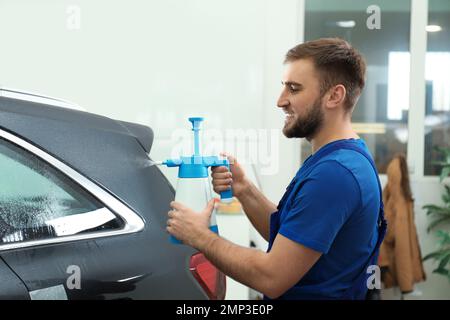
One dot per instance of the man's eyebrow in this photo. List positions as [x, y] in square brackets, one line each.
[289, 83]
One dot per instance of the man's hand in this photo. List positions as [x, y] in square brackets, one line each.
[256, 206]
[224, 179]
[187, 225]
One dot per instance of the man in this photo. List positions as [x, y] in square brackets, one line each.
[324, 233]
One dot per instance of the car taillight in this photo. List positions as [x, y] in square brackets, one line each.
[208, 276]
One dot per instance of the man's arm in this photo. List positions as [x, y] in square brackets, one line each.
[257, 208]
[271, 273]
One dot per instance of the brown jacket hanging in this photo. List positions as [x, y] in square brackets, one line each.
[400, 250]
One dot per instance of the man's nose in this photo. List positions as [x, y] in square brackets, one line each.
[282, 102]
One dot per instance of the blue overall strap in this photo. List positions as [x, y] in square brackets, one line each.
[359, 288]
[348, 146]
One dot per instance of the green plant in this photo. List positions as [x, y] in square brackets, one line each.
[442, 255]
[445, 171]
[442, 215]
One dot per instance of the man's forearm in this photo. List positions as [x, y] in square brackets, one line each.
[257, 208]
[245, 265]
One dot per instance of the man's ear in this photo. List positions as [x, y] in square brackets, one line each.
[336, 96]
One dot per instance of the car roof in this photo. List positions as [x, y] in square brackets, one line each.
[113, 153]
[39, 106]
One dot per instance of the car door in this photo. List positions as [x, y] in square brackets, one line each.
[12, 287]
[50, 223]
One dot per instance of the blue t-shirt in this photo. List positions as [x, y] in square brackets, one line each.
[333, 210]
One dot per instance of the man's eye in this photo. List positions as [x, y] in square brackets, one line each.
[293, 88]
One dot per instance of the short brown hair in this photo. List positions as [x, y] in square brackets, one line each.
[337, 63]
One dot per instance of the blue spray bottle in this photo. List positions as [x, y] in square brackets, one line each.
[193, 187]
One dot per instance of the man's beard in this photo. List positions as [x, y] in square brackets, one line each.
[307, 126]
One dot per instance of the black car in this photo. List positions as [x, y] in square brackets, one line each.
[83, 212]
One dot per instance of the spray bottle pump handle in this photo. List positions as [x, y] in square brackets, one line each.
[196, 121]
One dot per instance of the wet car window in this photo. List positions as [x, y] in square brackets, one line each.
[39, 202]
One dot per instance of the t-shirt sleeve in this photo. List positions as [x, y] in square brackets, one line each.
[321, 207]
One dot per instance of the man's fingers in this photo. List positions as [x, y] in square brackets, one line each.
[220, 169]
[222, 182]
[221, 175]
[209, 207]
[219, 189]
[172, 213]
[220, 185]
[177, 206]
[230, 158]
[171, 222]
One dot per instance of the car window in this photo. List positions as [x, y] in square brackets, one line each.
[39, 202]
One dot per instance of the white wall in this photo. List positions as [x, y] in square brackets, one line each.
[154, 62]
